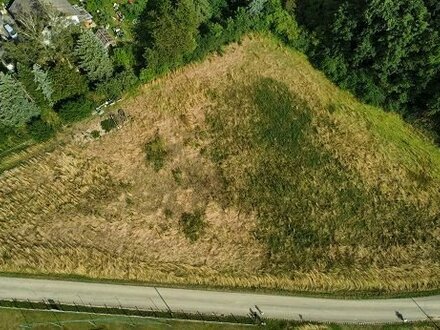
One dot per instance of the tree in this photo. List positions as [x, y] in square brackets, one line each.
[217, 6]
[93, 57]
[66, 82]
[43, 82]
[63, 42]
[26, 76]
[204, 10]
[44, 39]
[118, 84]
[124, 57]
[168, 33]
[256, 7]
[277, 19]
[16, 109]
[37, 29]
[387, 51]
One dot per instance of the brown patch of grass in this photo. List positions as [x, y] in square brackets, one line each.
[96, 208]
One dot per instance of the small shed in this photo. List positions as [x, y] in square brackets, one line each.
[106, 38]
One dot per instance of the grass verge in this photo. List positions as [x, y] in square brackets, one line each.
[12, 318]
[44, 320]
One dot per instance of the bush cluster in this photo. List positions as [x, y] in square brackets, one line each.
[156, 152]
[192, 224]
[75, 110]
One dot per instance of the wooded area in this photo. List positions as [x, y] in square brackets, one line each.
[386, 52]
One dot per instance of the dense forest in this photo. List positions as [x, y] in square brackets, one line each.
[386, 52]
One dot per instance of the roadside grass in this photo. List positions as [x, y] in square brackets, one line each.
[303, 187]
[16, 148]
[285, 325]
[45, 320]
[13, 141]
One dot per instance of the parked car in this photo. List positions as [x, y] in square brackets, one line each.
[11, 31]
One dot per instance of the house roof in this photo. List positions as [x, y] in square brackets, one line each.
[105, 37]
[62, 6]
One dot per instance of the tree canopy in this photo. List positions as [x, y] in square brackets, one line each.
[43, 82]
[93, 57]
[388, 52]
[169, 31]
[385, 51]
[66, 82]
[16, 108]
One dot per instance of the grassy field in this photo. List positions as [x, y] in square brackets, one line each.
[249, 170]
[46, 320]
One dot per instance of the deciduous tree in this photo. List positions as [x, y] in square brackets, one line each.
[66, 82]
[169, 33]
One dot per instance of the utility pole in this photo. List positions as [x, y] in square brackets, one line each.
[168, 307]
[429, 317]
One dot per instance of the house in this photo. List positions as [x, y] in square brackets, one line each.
[73, 13]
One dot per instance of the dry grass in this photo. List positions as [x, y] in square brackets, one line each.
[97, 208]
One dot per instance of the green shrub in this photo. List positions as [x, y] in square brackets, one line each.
[123, 57]
[192, 224]
[11, 137]
[95, 134]
[76, 110]
[177, 175]
[40, 130]
[108, 124]
[156, 152]
[114, 87]
[168, 213]
[147, 75]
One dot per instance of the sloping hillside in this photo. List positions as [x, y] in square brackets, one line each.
[250, 169]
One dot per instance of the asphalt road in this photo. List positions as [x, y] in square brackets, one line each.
[286, 307]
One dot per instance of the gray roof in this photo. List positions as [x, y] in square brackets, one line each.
[62, 6]
[105, 37]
